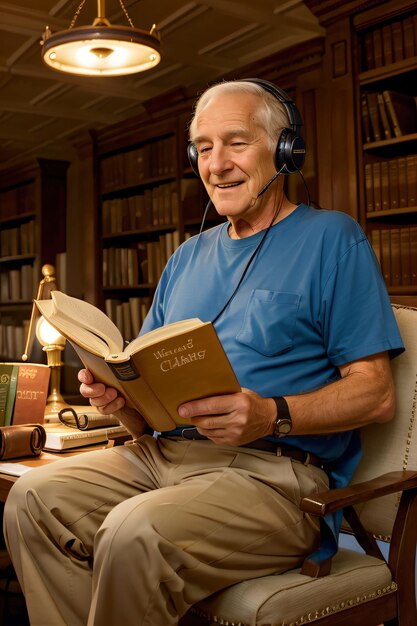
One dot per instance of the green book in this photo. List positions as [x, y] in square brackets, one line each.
[8, 385]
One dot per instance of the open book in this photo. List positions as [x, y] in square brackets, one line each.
[155, 372]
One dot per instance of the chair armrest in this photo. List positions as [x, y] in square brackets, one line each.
[330, 501]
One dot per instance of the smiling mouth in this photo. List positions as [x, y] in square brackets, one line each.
[228, 185]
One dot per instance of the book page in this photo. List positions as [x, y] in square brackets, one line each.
[73, 330]
[89, 317]
[159, 334]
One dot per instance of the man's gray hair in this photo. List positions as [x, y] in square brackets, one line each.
[271, 113]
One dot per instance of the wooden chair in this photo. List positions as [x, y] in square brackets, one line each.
[362, 589]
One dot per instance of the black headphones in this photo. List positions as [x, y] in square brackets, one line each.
[290, 150]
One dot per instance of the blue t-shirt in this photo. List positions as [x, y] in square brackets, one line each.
[313, 299]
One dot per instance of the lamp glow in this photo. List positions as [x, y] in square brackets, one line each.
[47, 335]
[101, 49]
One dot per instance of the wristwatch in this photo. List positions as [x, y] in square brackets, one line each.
[283, 423]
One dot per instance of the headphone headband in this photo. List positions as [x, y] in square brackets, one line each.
[294, 114]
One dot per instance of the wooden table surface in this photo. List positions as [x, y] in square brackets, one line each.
[7, 481]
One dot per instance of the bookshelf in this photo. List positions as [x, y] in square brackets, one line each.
[32, 233]
[139, 221]
[385, 53]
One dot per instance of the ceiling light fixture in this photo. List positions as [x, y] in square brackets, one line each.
[101, 49]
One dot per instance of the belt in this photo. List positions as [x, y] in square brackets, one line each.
[279, 449]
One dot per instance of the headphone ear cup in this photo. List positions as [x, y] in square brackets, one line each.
[193, 158]
[290, 152]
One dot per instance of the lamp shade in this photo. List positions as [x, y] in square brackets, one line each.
[101, 50]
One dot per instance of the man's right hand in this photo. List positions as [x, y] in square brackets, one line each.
[107, 400]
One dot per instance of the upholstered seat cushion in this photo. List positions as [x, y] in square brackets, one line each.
[293, 599]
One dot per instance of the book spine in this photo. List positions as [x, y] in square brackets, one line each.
[11, 396]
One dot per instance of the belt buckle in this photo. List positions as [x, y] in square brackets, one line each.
[278, 451]
[186, 430]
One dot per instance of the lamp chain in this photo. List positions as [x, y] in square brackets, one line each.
[126, 13]
[76, 14]
[80, 8]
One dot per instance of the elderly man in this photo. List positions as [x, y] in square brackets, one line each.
[137, 534]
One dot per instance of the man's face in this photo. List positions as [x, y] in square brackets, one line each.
[235, 160]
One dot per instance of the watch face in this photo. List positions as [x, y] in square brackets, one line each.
[284, 426]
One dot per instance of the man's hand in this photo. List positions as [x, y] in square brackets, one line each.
[106, 400]
[233, 419]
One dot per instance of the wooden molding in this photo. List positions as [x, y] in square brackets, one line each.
[328, 11]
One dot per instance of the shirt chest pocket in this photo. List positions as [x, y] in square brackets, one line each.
[269, 323]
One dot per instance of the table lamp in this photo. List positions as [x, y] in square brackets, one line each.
[51, 341]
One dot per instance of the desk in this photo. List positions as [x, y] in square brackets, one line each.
[7, 481]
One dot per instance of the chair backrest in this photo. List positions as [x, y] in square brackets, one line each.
[392, 446]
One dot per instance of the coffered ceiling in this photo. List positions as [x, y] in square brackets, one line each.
[42, 111]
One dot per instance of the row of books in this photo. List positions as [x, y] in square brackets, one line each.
[390, 43]
[17, 201]
[154, 207]
[128, 315]
[131, 168]
[12, 339]
[387, 114]
[391, 184]
[141, 263]
[18, 240]
[17, 285]
[396, 251]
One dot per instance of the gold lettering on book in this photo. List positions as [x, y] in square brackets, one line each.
[179, 361]
[29, 394]
[163, 353]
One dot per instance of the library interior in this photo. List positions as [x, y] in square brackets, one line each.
[97, 192]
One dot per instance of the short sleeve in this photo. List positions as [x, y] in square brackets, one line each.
[356, 314]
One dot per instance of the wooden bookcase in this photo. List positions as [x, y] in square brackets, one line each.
[149, 201]
[385, 62]
[140, 220]
[32, 233]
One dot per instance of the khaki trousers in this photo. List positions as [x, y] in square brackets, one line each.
[136, 534]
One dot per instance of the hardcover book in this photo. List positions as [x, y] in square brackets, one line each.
[60, 438]
[23, 393]
[156, 372]
[402, 110]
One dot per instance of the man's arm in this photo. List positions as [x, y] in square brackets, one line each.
[364, 394]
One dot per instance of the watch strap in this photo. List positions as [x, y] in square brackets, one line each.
[283, 422]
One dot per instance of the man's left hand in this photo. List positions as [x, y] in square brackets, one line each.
[233, 419]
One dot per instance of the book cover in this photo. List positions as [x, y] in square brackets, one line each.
[60, 437]
[366, 122]
[376, 177]
[402, 111]
[157, 371]
[395, 257]
[402, 182]
[386, 255]
[8, 386]
[375, 239]
[384, 117]
[411, 167]
[31, 393]
[393, 183]
[374, 115]
[405, 256]
[413, 254]
[385, 198]
[369, 187]
[387, 44]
